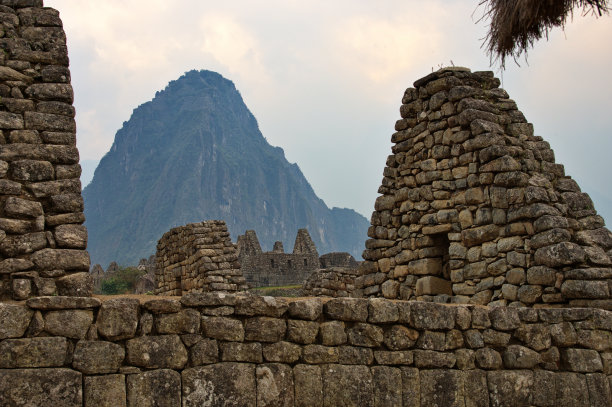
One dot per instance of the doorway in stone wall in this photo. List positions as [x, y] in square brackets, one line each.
[441, 249]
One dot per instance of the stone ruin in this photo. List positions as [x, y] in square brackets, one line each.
[42, 236]
[197, 257]
[277, 268]
[474, 209]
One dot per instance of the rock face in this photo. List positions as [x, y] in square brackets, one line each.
[41, 212]
[195, 152]
[474, 209]
[277, 268]
[197, 257]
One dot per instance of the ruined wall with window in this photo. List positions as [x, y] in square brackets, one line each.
[474, 209]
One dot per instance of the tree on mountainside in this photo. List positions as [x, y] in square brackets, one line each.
[517, 24]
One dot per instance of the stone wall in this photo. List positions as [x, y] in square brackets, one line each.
[227, 349]
[42, 237]
[331, 282]
[474, 209]
[277, 268]
[197, 257]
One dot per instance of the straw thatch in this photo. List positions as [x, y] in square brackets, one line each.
[517, 24]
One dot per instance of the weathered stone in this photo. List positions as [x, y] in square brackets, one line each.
[365, 335]
[442, 387]
[97, 357]
[227, 329]
[241, 352]
[309, 309]
[560, 254]
[160, 387]
[510, 387]
[519, 357]
[164, 351]
[62, 302]
[229, 384]
[104, 391]
[581, 360]
[66, 259]
[393, 357]
[433, 359]
[162, 306]
[399, 337]
[265, 329]
[33, 352]
[308, 386]
[283, 352]
[267, 306]
[347, 309]
[504, 318]
[474, 236]
[118, 318]
[316, 354]
[387, 386]
[204, 352]
[571, 390]
[425, 315]
[274, 385]
[304, 332]
[183, 322]
[487, 358]
[71, 236]
[347, 386]
[68, 323]
[40, 387]
[585, 289]
[332, 333]
[431, 285]
[382, 311]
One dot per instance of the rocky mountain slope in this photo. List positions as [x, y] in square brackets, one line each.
[195, 152]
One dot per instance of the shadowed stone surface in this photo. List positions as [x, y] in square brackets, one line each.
[40, 387]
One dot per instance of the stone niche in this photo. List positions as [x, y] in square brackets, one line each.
[42, 237]
[197, 257]
[474, 209]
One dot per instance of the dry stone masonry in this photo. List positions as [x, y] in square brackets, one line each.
[42, 237]
[197, 257]
[474, 208]
[227, 349]
[277, 268]
[331, 282]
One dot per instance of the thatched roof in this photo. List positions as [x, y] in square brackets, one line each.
[517, 24]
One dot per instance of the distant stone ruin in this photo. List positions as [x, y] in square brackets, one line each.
[474, 209]
[197, 257]
[277, 268]
[42, 237]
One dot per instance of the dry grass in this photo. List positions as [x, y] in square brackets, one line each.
[517, 24]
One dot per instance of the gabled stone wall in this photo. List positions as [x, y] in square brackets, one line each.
[197, 257]
[474, 209]
[277, 268]
[219, 349]
[42, 237]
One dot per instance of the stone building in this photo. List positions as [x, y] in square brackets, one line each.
[474, 209]
[42, 236]
[97, 275]
[197, 257]
[337, 259]
[277, 268]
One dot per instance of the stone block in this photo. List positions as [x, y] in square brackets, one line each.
[41, 387]
[256, 305]
[204, 352]
[433, 359]
[226, 329]
[241, 352]
[308, 309]
[97, 357]
[431, 285]
[585, 289]
[504, 319]
[571, 390]
[347, 386]
[318, 354]
[14, 320]
[69, 323]
[347, 309]
[353, 355]
[428, 266]
[154, 352]
[560, 254]
[304, 332]
[510, 387]
[366, 335]
[442, 387]
[600, 393]
[71, 236]
[308, 386]
[160, 387]
[33, 352]
[581, 360]
[62, 302]
[332, 333]
[104, 391]
[220, 384]
[387, 386]
[398, 337]
[520, 357]
[275, 386]
[282, 352]
[183, 322]
[425, 315]
[118, 318]
[265, 329]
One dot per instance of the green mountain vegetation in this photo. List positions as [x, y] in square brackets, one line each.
[195, 152]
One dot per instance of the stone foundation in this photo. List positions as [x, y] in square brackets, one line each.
[197, 257]
[258, 351]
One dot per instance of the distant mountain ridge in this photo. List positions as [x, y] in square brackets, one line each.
[195, 152]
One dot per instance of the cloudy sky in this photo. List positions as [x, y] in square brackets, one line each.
[325, 78]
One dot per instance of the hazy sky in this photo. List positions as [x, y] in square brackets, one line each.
[325, 78]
